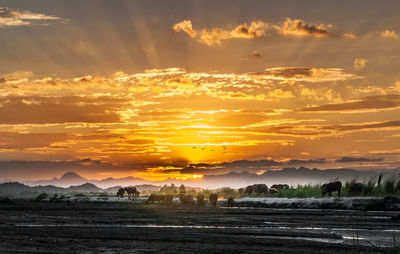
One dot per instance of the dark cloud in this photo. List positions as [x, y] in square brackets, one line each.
[246, 165]
[324, 130]
[23, 110]
[366, 103]
[290, 72]
[19, 169]
[359, 159]
[239, 120]
[308, 74]
[362, 126]
[14, 140]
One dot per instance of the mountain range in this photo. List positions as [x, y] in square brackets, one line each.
[291, 176]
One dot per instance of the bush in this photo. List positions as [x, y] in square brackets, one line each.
[227, 193]
[103, 194]
[56, 198]
[389, 187]
[40, 197]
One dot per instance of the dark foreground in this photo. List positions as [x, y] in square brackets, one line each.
[92, 227]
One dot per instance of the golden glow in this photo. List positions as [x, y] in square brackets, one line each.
[164, 91]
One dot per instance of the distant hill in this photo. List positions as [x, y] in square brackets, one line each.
[16, 189]
[291, 176]
[66, 180]
[21, 190]
[13, 188]
[84, 188]
[72, 178]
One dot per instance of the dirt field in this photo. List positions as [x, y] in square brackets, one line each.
[108, 227]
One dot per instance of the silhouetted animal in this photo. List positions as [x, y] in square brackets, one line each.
[256, 188]
[186, 199]
[272, 191]
[331, 187]
[168, 199]
[240, 191]
[155, 197]
[356, 189]
[280, 186]
[213, 199]
[230, 202]
[200, 199]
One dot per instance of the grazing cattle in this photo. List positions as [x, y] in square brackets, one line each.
[280, 186]
[186, 199]
[231, 203]
[256, 188]
[272, 191]
[168, 199]
[200, 199]
[213, 199]
[155, 197]
[240, 191]
[356, 189]
[331, 187]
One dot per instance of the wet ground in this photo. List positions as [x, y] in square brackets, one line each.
[108, 227]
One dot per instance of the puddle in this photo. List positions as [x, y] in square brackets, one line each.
[350, 236]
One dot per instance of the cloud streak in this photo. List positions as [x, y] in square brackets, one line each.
[15, 17]
[377, 102]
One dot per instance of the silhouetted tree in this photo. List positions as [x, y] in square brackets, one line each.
[131, 191]
[172, 190]
[121, 192]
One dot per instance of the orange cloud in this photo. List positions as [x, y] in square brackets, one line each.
[300, 28]
[350, 36]
[389, 34]
[213, 36]
[256, 29]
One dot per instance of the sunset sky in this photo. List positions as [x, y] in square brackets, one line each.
[162, 88]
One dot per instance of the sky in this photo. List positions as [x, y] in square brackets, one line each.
[162, 89]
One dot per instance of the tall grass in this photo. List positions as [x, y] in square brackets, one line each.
[301, 191]
[374, 187]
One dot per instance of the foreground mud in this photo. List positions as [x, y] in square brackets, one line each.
[92, 227]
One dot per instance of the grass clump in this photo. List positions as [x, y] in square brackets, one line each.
[40, 197]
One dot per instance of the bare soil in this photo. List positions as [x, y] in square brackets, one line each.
[109, 227]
